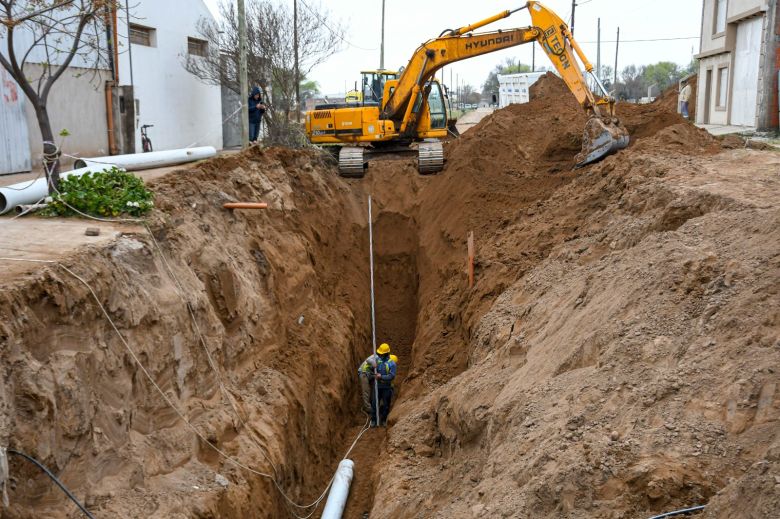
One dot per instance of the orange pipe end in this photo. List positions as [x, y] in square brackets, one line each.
[245, 205]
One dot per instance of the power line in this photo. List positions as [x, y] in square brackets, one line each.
[645, 40]
[334, 32]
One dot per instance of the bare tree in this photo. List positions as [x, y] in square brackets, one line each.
[271, 56]
[54, 33]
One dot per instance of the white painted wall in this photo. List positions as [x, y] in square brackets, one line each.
[183, 110]
[515, 88]
[747, 58]
[717, 115]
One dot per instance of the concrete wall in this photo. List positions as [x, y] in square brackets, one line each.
[716, 115]
[770, 65]
[183, 110]
[709, 41]
[77, 102]
[740, 8]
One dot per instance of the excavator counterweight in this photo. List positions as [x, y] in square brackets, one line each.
[396, 110]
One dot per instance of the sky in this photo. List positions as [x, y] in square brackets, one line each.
[408, 23]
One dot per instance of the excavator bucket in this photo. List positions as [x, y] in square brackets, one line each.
[601, 137]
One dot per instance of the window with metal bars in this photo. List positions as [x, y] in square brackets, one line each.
[197, 47]
[141, 35]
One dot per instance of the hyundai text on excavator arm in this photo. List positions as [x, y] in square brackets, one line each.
[398, 109]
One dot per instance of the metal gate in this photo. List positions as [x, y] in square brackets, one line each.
[747, 58]
[14, 141]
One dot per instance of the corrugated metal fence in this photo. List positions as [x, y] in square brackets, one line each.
[14, 142]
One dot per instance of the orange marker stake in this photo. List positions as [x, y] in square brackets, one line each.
[245, 205]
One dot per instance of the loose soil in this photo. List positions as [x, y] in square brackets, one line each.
[618, 356]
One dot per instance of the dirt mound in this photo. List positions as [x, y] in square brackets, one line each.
[589, 372]
[546, 133]
[268, 291]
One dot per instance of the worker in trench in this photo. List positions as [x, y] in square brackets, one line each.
[378, 369]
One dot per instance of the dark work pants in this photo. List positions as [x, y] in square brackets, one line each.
[254, 131]
[385, 400]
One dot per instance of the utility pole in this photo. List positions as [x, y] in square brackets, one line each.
[573, 7]
[382, 48]
[457, 91]
[617, 47]
[242, 73]
[297, 73]
[533, 56]
[598, 50]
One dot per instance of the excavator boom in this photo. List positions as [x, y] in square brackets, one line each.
[603, 133]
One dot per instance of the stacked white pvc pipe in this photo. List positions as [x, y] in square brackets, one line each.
[337, 498]
[155, 159]
[30, 192]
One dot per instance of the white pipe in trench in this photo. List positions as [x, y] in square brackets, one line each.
[339, 491]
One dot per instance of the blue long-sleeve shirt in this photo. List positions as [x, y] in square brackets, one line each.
[386, 370]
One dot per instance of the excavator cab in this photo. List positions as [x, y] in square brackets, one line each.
[374, 85]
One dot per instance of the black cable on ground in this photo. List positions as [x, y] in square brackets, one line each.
[53, 478]
[679, 512]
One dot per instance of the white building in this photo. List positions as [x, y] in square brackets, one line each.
[738, 63]
[516, 88]
[183, 110]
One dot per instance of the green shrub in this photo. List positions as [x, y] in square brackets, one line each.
[107, 193]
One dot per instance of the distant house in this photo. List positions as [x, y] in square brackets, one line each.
[516, 88]
[149, 86]
[738, 63]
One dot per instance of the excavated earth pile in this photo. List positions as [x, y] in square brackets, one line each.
[617, 357]
[619, 354]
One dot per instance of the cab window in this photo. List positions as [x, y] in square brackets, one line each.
[436, 107]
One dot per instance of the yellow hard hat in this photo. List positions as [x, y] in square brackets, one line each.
[394, 358]
[383, 348]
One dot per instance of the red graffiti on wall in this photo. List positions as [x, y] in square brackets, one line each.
[10, 93]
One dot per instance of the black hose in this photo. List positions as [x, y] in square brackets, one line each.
[53, 478]
[679, 512]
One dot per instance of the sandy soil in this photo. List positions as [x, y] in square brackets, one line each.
[618, 356]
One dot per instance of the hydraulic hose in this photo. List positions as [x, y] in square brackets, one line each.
[53, 478]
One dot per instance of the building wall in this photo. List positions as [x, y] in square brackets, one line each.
[770, 65]
[184, 111]
[718, 50]
[515, 88]
[717, 115]
[710, 42]
[740, 8]
[77, 103]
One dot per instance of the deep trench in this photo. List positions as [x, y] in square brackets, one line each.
[396, 298]
[227, 278]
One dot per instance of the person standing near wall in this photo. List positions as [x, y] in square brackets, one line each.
[684, 98]
[256, 111]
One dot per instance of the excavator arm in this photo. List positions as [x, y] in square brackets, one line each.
[603, 133]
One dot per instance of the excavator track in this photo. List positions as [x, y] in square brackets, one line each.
[352, 163]
[430, 157]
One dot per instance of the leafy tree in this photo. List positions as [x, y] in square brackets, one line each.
[662, 74]
[510, 66]
[309, 89]
[62, 31]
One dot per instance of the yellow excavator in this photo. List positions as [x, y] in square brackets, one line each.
[398, 109]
